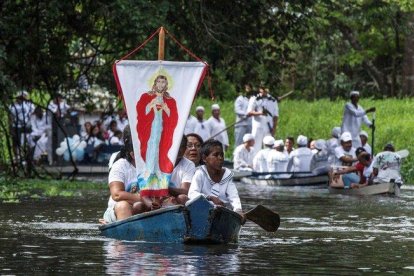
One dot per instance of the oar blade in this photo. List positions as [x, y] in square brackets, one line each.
[264, 217]
[403, 153]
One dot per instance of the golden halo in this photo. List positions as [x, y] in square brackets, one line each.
[165, 73]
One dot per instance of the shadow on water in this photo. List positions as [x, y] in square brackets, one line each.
[319, 233]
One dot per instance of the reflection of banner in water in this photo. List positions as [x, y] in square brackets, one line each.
[158, 97]
[131, 258]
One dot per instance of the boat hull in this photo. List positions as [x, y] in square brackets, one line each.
[377, 189]
[314, 180]
[209, 224]
[199, 222]
[163, 225]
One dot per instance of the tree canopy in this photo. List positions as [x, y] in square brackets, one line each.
[319, 48]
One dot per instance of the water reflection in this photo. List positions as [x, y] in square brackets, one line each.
[138, 258]
[319, 234]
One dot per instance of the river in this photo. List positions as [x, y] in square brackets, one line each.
[319, 234]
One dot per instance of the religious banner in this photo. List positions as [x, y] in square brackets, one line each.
[158, 97]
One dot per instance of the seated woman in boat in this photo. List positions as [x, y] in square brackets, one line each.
[319, 164]
[300, 158]
[243, 154]
[181, 176]
[214, 181]
[124, 200]
[192, 152]
[277, 160]
[260, 159]
[387, 165]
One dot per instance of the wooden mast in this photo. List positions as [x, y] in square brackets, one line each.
[161, 44]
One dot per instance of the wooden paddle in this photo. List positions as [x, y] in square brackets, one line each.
[373, 135]
[232, 125]
[284, 96]
[403, 153]
[264, 217]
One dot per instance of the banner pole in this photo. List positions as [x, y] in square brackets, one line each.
[161, 44]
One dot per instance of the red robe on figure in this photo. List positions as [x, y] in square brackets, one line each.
[168, 126]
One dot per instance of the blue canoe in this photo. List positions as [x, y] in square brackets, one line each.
[197, 222]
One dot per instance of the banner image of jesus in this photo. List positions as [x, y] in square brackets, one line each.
[157, 118]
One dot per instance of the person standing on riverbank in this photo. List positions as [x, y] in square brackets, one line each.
[201, 127]
[265, 112]
[20, 113]
[243, 122]
[353, 116]
[218, 129]
[190, 125]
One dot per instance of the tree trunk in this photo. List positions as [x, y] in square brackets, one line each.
[408, 60]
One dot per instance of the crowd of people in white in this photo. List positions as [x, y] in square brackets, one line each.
[257, 151]
[255, 147]
[37, 128]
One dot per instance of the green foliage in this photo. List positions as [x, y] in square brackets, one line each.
[321, 49]
[13, 190]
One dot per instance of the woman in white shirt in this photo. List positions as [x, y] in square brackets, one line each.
[124, 200]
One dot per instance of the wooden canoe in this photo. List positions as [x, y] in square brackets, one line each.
[197, 222]
[212, 224]
[309, 180]
[162, 225]
[238, 175]
[376, 189]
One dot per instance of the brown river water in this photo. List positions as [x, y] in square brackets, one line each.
[319, 234]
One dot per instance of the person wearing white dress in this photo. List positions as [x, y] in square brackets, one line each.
[243, 154]
[122, 120]
[332, 143]
[319, 162]
[265, 112]
[181, 176]
[20, 112]
[260, 159]
[387, 166]
[354, 116]
[363, 135]
[218, 127]
[242, 121]
[300, 158]
[190, 125]
[202, 128]
[277, 160]
[59, 108]
[124, 200]
[39, 135]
